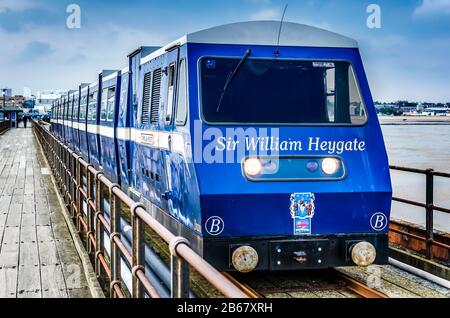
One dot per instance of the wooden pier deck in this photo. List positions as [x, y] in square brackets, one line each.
[38, 257]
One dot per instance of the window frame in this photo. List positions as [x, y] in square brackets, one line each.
[182, 61]
[200, 93]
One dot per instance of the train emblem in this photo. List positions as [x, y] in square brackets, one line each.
[302, 212]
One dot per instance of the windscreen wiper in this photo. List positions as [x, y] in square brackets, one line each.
[232, 75]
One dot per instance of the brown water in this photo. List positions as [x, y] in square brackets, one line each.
[419, 146]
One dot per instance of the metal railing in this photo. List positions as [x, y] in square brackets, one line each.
[4, 125]
[69, 169]
[429, 207]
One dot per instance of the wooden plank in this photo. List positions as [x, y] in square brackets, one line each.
[48, 254]
[45, 234]
[79, 293]
[43, 219]
[53, 283]
[14, 219]
[9, 256]
[29, 279]
[30, 294]
[11, 236]
[5, 201]
[28, 234]
[15, 208]
[8, 282]
[29, 254]
[28, 220]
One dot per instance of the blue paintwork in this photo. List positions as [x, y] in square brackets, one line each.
[82, 121]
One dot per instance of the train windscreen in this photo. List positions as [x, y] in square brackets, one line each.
[286, 92]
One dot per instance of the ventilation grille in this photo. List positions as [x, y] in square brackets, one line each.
[156, 92]
[146, 98]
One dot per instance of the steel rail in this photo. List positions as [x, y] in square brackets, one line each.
[357, 287]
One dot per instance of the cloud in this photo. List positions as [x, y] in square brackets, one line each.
[34, 51]
[15, 5]
[266, 14]
[433, 7]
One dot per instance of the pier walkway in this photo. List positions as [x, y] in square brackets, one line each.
[38, 257]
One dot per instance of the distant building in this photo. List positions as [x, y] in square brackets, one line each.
[6, 92]
[45, 99]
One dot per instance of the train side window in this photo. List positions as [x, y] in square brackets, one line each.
[330, 78]
[111, 103]
[83, 108]
[104, 105]
[182, 95]
[92, 109]
[170, 92]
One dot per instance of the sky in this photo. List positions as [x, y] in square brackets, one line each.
[407, 58]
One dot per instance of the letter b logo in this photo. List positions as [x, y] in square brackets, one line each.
[214, 226]
[379, 221]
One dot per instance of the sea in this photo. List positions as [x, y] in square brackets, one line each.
[424, 146]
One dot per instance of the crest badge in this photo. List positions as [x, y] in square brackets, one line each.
[302, 212]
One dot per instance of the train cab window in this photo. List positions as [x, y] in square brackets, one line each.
[104, 105]
[92, 108]
[170, 92]
[280, 92]
[111, 101]
[181, 95]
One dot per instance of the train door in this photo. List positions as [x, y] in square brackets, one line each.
[123, 131]
[169, 82]
[70, 140]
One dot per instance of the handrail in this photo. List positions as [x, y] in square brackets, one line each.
[428, 206]
[68, 167]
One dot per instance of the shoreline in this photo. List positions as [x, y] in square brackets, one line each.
[414, 120]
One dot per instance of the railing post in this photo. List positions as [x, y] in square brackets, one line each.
[138, 250]
[430, 212]
[115, 232]
[179, 270]
[99, 229]
[78, 196]
[90, 213]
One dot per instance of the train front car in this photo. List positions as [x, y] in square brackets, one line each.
[288, 152]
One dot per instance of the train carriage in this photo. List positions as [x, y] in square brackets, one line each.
[260, 145]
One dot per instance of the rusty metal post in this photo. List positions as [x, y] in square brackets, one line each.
[179, 270]
[99, 229]
[90, 212]
[78, 196]
[430, 212]
[115, 232]
[138, 250]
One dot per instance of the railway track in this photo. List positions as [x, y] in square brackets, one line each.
[319, 284]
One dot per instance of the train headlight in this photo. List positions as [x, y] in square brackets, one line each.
[363, 254]
[253, 166]
[330, 165]
[245, 259]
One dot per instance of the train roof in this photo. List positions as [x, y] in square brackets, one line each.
[262, 33]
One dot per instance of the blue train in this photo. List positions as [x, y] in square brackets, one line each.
[262, 148]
